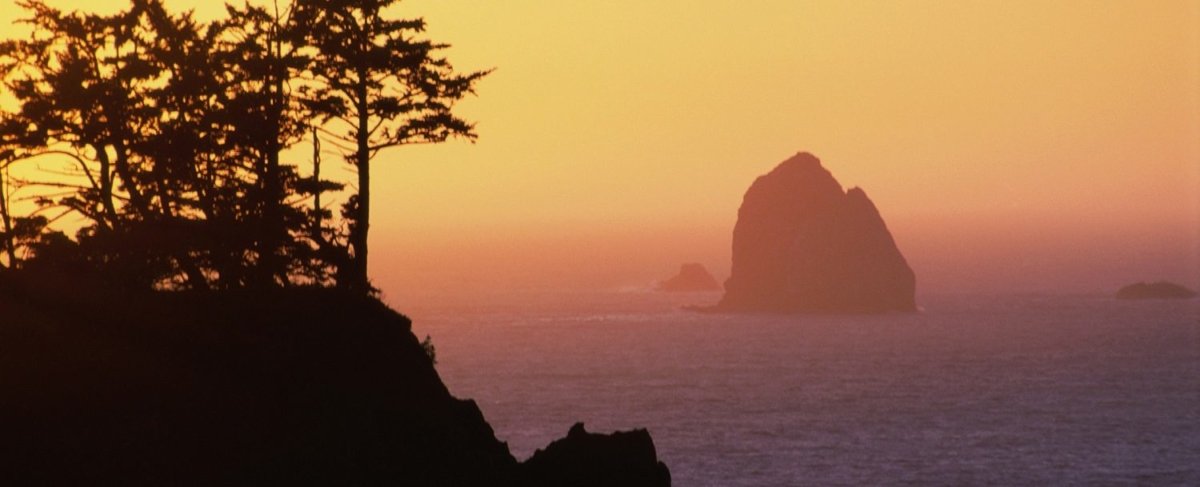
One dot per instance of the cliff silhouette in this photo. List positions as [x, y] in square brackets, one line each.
[211, 321]
[300, 386]
[803, 244]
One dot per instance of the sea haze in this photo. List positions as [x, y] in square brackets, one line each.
[974, 390]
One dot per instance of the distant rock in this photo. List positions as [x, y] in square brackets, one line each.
[1155, 290]
[802, 244]
[691, 278]
[585, 459]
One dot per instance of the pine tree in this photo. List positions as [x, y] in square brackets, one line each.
[376, 85]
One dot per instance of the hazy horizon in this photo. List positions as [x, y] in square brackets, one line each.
[953, 255]
[1010, 146]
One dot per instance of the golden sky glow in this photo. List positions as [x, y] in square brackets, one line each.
[617, 137]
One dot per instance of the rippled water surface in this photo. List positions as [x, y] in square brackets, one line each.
[975, 390]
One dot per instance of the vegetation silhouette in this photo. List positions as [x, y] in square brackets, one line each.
[381, 86]
[271, 361]
[176, 127]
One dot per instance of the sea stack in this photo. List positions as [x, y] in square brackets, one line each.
[802, 244]
[1155, 290]
[692, 277]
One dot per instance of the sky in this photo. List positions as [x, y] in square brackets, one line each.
[1023, 146]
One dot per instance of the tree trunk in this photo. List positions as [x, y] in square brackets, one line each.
[106, 186]
[272, 268]
[273, 265]
[9, 247]
[316, 223]
[362, 218]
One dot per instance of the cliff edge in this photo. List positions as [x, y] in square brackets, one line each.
[284, 387]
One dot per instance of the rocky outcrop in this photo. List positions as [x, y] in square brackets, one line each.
[585, 459]
[802, 244]
[691, 278]
[284, 387]
[1155, 290]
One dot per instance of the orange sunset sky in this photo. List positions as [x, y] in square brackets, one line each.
[1010, 145]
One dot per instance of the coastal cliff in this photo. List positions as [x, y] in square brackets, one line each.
[287, 387]
[802, 244]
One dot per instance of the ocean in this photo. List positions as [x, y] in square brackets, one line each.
[977, 389]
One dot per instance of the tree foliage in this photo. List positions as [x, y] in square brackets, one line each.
[175, 131]
[376, 85]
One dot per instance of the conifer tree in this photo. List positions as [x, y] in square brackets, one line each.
[376, 85]
[175, 131]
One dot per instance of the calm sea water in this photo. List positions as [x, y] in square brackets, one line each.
[975, 390]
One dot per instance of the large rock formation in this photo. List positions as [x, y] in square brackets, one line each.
[691, 278]
[286, 387]
[802, 244]
[1155, 290]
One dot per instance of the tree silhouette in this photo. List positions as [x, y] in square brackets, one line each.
[175, 130]
[78, 79]
[263, 118]
[376, 86]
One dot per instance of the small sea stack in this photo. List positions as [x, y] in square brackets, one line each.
[1155, 290]
[804, 245]
[692, 277]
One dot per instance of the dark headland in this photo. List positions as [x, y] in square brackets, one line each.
[802, 244]
[283, 387]
[1155, 290]
[692, 277]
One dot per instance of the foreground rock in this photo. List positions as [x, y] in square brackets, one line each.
[587, 459]
[691, 278]
[1155, 290]
[296, 387]
[802, 244]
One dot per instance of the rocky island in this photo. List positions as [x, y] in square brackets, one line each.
[1155, 290]
[692, 277]
[803, 244]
